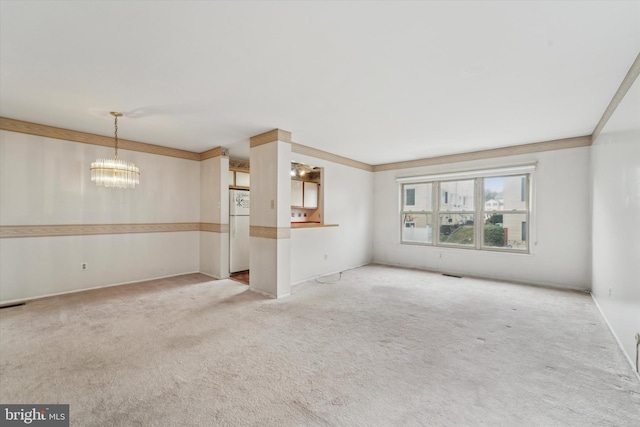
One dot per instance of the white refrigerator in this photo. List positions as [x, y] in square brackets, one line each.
[238, 230]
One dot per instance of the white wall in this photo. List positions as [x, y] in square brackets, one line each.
[348, 202]
[559, 242]
[47, 181]
[615, 159]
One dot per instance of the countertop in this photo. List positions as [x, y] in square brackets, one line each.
[310, 224]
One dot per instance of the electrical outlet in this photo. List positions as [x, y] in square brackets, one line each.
[84, 266]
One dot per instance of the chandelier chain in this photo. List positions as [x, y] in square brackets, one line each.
[116, 134]
[114, 172]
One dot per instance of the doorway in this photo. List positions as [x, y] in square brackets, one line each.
[239, 214]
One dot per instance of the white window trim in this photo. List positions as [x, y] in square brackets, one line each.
[523, 168]
[527, 168]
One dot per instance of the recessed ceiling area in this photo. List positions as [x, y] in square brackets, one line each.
[376, 82]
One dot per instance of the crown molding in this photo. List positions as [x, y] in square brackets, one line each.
[267, 137]
[536, 147]
[19, 126]
[210, 154]
[239, 165]
[93, 139]
[626, 84]
[324, 155]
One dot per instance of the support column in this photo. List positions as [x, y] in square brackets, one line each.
[270, 231]
[214, 214]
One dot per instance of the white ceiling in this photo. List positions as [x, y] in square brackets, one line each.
[373, 81]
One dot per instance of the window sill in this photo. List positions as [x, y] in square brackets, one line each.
[451, 248]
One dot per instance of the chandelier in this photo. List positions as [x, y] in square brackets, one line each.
[114, 172]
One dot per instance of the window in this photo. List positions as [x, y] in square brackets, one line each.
[505, 212]
[484, 210]
[456, 213]
[417, 213]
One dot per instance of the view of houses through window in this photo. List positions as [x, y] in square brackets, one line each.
[478, 213]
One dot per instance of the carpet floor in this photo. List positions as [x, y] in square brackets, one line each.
[381, 347]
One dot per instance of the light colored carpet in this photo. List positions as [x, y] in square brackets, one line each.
[384, 346]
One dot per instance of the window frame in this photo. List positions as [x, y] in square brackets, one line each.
[404, 212]
[527, 171]
[438, 212]
[526, 211]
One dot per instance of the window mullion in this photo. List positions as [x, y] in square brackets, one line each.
[436, 213]
[479, 220]
[402, 212]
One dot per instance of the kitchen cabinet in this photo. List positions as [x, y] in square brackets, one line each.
[242, 179]
[296, 193]
[304, 194]
[310, 195]
[239, 179]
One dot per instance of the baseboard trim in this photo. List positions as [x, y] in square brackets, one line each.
[19, 300]
[481, 277]
[330, 273]
[211, 275]
[606, 321]
[264, 294]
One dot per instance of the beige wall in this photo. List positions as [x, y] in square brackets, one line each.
[214, 210]
[270, 242]
[46, 181]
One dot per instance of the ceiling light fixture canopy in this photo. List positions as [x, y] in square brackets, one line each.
[114, 172]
